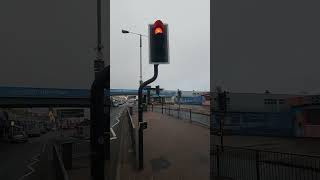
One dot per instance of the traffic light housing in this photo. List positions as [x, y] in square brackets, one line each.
[158, 43]
[158, 90]
[179, 93]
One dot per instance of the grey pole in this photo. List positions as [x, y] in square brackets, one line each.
[140, 59]
[140, 115]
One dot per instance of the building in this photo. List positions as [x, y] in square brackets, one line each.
[306, 113]
[255, 102]
[262, 114]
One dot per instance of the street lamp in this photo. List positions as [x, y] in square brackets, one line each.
[140, 36]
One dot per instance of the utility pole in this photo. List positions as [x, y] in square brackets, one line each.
[98, 63]
[100, 116]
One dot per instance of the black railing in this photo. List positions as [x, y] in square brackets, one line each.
[251, 164]
[58, 165]
[132, 130]
[183, 113]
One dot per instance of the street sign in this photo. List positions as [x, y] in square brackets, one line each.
[143, 125]
[158, 43]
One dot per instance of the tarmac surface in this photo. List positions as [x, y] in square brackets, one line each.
[18, 159]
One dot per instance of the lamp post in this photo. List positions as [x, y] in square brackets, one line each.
[140, 36]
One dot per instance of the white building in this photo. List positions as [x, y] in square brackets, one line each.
[254, 102]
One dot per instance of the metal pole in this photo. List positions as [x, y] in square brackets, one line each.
[162, 105]
[140, 58]
[99, 121]
[257, 165]
[179, 109]
[221, 136]
[140, 115]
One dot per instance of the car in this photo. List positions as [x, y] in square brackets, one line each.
[19, 137]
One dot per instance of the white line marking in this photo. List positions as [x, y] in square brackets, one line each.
[35, 160]
[44, 147]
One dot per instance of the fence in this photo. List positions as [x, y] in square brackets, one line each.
[183, 113]
[249, 164]
[132, 129]
[58, 165]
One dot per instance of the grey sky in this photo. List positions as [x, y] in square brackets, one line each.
[189, 33]
[46, 43]
[266, 44]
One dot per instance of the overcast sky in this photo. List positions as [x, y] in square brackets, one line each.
[189, 41]
[269, 44]
[257, 45]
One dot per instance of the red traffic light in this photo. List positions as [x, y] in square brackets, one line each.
[158, 27]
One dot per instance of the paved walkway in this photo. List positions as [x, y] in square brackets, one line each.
[173, 149]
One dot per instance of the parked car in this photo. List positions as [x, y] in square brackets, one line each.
[19, 137]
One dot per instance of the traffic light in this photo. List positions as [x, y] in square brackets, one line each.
[158, 90]
[179, 93]
[158, 43]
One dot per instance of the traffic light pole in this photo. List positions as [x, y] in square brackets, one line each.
[140, 115]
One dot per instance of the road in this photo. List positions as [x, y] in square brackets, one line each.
[16, 157]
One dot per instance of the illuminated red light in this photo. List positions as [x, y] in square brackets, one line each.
[158, 30]
[158, 27]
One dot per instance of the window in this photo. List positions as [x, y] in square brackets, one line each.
[281, 101]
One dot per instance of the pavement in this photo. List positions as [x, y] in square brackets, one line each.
[173, 149]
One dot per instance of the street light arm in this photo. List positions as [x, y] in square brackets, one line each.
[126, 31]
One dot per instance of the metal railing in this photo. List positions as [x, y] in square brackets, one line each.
[132, 130]
[58, 165]
[183, 113]
[252, 164]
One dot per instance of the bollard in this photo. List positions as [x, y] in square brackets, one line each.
[67, 155]
[218, 163]
[190, 115]
[152, 107]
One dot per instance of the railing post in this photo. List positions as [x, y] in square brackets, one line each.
[218, 159]
[67, 155]
[257, 165]
[169, 110]
[190, 115]
[162, 108]
[152, 107]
